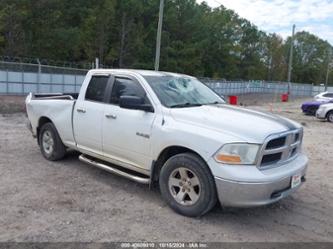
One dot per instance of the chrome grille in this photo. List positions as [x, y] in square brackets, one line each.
[280, 148]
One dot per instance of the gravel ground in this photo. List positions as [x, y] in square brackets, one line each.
[72, 201]
[11, 104]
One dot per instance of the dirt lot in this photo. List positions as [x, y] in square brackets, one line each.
[71, 201]
[12, 104]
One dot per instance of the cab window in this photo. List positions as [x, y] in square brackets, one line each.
[328, 95]
[96, 88]
[126, 87]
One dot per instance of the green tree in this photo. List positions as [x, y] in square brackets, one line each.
[196, 39]
[310, 58]
[276, 60]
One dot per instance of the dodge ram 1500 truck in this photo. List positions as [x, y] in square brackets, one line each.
[172, 130]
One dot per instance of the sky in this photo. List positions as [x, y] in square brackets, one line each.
[315, 16]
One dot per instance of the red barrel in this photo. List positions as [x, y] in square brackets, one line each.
[233, 100]
[284, 97]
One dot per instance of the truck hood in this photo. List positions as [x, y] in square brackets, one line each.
[243, 124]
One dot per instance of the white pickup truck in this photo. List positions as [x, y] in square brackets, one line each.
[171, 129]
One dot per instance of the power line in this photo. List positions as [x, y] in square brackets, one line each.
[218, 2]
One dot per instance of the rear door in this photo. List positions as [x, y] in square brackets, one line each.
[88, 115]
[127, 132]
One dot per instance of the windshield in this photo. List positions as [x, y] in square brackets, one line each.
[182, 91]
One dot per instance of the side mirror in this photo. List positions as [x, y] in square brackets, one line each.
[134, 103]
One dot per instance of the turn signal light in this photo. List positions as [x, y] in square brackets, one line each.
[228, 158]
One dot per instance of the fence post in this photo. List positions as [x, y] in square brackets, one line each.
[63, 80]
[38, 75]
[75, 83]
[51, 82]
[22, 81]
[7, 83]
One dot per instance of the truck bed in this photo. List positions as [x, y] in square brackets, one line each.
[70, 96]
[56, 107]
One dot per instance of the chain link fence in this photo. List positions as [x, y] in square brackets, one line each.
[19, 78]
[56, 63]
[22, 78]
[245, 87]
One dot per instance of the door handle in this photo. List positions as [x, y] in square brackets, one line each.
[111, 116]
[81, 110]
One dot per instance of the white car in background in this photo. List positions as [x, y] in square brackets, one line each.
[324, 96]
[325, 111]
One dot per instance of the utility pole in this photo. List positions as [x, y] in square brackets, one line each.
[328, 67]
[290, 66]
[159, 34]
[96, 63]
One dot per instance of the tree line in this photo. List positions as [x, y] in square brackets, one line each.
[196, 39]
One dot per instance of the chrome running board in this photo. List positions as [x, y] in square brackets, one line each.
[114, 170]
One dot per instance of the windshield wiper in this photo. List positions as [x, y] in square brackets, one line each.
[214, 103]
[185, 105]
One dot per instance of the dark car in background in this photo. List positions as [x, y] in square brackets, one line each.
[310, 107]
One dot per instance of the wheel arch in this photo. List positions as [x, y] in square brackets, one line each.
[42, 120]
[167, 153]
[328, 113]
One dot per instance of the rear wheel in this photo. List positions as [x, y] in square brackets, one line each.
[330, 116]
[187, 185]
[50, 143]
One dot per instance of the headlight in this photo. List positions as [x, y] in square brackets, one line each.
[237, 153]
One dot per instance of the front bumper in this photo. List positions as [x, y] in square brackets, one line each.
[273, 186]
[243, 194]
[321, 114]
[310, 111]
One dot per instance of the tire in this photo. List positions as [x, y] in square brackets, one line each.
[50, 143]
[330, 116]
[193, 197]
[312, 111]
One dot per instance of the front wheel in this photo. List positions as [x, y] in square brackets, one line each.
[330, 116]
[50, 143]
[187, 185]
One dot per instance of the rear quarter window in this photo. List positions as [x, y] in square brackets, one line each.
[96, 88]
[328, 95]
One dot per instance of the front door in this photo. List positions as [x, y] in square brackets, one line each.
[126, 132]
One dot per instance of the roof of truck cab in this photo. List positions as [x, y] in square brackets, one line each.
[139, 71]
